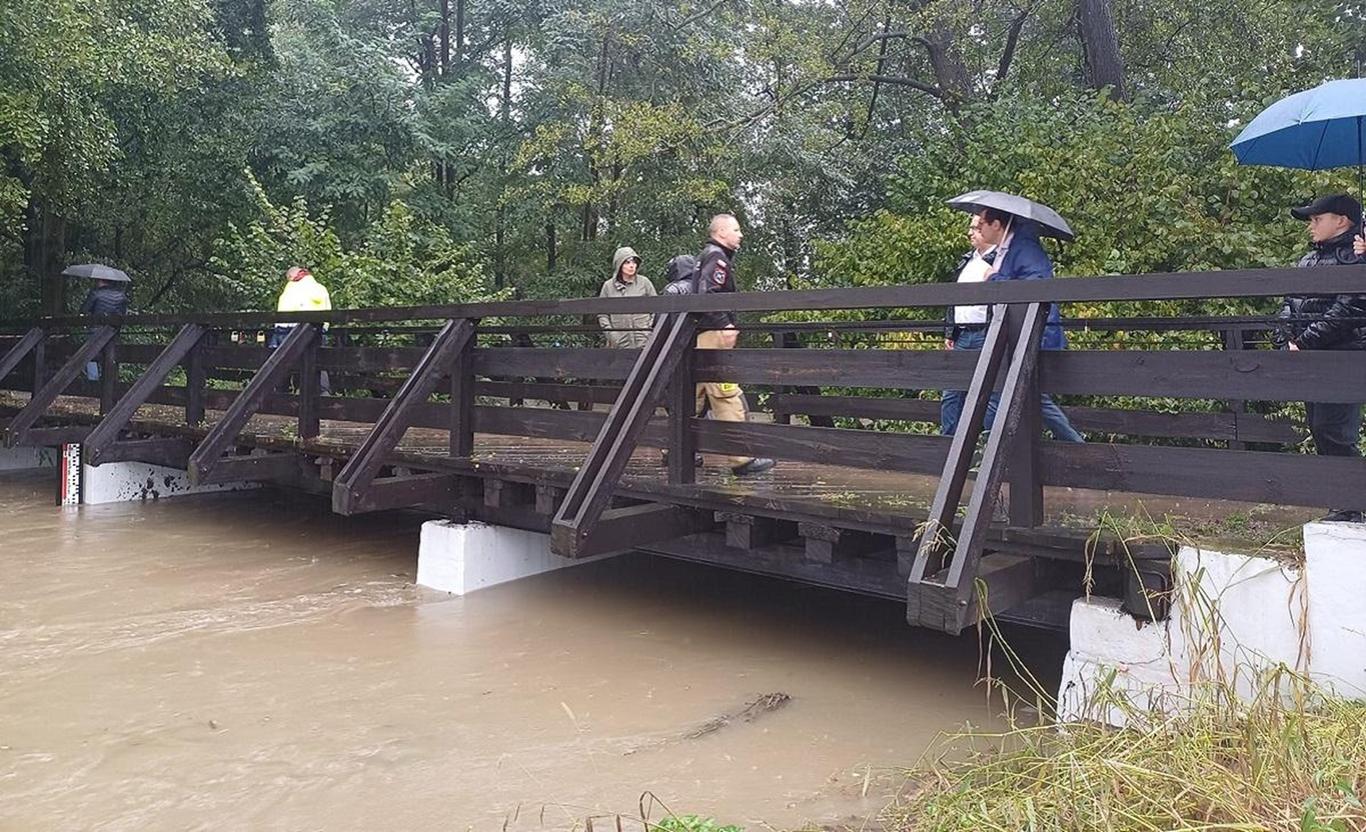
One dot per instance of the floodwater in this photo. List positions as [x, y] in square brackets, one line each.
[254, 662]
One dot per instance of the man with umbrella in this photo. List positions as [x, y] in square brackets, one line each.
[1328, 322]
[108, 297]
[1321, 129]
[1011, 225]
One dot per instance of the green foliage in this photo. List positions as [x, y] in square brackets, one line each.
[399, 260]
[692, 823]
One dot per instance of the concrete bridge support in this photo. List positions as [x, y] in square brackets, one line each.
[1234, 618]
[460, 558]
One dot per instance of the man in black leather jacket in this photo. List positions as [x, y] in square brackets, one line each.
[1329, 322]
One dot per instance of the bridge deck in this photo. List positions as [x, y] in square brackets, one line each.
[882, 502]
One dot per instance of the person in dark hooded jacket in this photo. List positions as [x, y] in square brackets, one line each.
[1328, 322]
[107, 298]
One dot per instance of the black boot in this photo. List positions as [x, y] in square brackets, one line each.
[1342, 516]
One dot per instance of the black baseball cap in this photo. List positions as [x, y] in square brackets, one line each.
[1332, 204]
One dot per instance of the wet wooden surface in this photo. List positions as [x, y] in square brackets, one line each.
[885, 501]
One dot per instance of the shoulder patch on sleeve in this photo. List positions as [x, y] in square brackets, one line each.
[720, 273]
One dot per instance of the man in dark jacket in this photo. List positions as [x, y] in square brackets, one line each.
[716, 274]
[1019, 255]
[107, 298]
[1328, 322]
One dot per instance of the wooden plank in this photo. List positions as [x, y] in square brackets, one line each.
[591, 490]
[543, 362]
[1022, 449]
[827, 446]
[256, 468]
[21, 350]
[1248, 476]
[1252, 375]
[116, 419]
[624, 529]
[361, 470]
[435, 491]
[894, 369]
[173, 452]
[271, 375]
[52, 437]
[515, 390]
[1003, 581]
[1230, 283]
[43, 399]
[1248, 427]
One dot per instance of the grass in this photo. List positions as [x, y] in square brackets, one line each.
[1239, 748]
[1270, 763]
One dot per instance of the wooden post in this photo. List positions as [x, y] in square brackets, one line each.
[1233, 340]
[1022, 460]
[39, 365]
[196, 379]
[682, 398]
[310, 388]
[462, 397]
[109, 376]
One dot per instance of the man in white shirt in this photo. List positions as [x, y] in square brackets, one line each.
[966, 327]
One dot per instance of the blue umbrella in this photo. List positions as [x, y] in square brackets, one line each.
[1316, 129]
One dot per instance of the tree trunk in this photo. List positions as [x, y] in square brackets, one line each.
[950, 72]
[505, 118]
[445, 37]
[459, 30]
[550, 253]
[1100, 47]
[44, 252]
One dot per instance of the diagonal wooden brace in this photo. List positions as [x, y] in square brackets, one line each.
[272, 374]
[20, 350]
[106, 433]
[454, 340]
[43, 398]
[945, 601]
[591, 491]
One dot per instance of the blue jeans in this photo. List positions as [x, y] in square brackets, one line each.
[92, 370]
[951, 402]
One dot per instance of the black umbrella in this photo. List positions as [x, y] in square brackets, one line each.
[98, 271]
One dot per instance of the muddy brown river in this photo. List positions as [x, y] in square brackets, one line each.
[255, 662]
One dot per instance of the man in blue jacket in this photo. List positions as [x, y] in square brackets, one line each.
[1020, 256]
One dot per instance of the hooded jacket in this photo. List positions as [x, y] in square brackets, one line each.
[1325, 322]
[628, 330]
[1025, 259]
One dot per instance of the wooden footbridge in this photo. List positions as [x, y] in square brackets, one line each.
[506, 413]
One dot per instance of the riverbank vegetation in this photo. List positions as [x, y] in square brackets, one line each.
[1289, 758]
[448, 150]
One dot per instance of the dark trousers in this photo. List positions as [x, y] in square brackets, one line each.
[1336, 428]
[951, 402]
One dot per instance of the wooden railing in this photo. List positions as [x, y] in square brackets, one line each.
[452, 368]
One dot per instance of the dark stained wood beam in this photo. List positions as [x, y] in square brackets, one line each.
[591, 492]
[361, 470]
[272, 374]
[21, 350]
[16, 433]
[106, 433]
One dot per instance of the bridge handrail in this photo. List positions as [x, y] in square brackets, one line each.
[1148, 287]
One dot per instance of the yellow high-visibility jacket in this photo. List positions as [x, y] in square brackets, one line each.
[304, 295]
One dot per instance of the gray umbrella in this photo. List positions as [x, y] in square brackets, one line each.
[96, 271]
[1050, 223]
